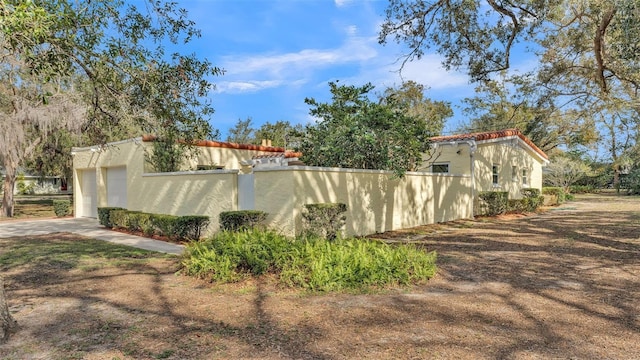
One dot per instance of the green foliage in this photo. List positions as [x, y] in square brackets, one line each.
[558, 194]
[110, 69]
[119, 218]
[531, 201]
[165, 225]
[583, 189]
[61, 207]
[530, 192]
[189, 227]
[410, 95]
[324, 220]
[242, 132]
[139, 221]
[281, 133]
[631, 182]
[22, 186]
[585, 88]
[563, 172]
[313, 264]
[166, 154]
[241, 219]
[104, 215]
[493, 202]
[354, 132]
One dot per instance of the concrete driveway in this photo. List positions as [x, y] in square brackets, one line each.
[85, 227]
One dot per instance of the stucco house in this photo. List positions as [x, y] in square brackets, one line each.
[227, 176]
[504, 160]
[117, 174]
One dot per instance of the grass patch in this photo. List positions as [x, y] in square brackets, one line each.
[68, 252]
[312, 264]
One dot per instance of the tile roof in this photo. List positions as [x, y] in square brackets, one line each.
[228, 145]
[489, 135]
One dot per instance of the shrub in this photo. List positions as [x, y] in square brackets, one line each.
[22, 186]
[44, 188]
[557, 192]
[139, 221]
[190, 227]
[165, 225]
[494, 202]
[530, 192]
[119, 218]
[104, 215]
[61, 207]
[241, 219]
[631, 182]
[582, 189]
[324, 220]
[312, 263]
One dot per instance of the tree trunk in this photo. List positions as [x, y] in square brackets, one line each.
[9, 183]
[7, 322]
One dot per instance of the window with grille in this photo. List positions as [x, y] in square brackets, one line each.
[440, 168]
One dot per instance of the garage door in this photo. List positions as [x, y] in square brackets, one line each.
[88, 194]
[117, 187]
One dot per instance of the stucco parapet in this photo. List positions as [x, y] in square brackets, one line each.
[137, 140]
[362, 171]
[199, 172]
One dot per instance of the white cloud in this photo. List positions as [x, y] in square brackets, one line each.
[429, 71]
[292, 68]
[245, 86]
[341, 3]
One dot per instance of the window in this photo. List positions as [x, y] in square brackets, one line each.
[440, 168]
[495, 170]
[525, 177]
[209, 167]
[514, 173]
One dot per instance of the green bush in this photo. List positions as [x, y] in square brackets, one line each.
[119, 218]
[241, 219]
[21, 185]
[165, 225]
[61, 207]
[324, 220]
[190, 227]
[631, 182]
[530, 192]
[583, 189]
[104, 215]
[558, 192]
[494, 202]
[312, 263]
[526, 204]
[139, 221]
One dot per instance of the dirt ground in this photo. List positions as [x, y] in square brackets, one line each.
[563, 284]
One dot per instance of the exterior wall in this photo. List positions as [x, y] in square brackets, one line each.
[275, 194]
[226, 158]
[127, 153]
[188, 193]
[376, 201]
[507, 156]
[457, 155]
[504, 153]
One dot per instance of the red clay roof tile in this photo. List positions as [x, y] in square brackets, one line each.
[228, 145]
[488, 135]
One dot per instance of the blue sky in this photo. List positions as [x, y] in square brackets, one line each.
[277, 52]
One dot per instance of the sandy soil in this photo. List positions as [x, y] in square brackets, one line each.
[563, 284]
